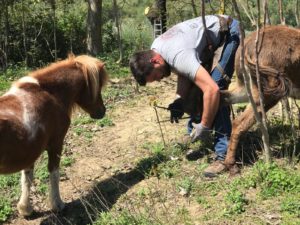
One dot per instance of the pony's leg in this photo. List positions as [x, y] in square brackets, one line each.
[239, 126]
[54, 153]
[24, 206]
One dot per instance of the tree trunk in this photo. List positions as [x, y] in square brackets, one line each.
[297, 12]
[263, 119]
[116, 12]
[247, 79]
[5, 50]
[94, 27]
[24, 34]
[53, 7]
[222, 7]
[267, 19]
[280, 10]
[194, 7]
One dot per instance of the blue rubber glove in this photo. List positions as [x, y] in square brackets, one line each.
[199, 132]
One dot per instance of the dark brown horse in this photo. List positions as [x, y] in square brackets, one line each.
[279, 68]
[35, 115]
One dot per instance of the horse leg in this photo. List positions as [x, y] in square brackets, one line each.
[54, 153]
[24, 206]
[239, 126]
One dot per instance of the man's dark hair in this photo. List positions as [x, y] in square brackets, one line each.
[141, 66]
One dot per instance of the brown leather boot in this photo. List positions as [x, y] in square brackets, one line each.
[214, 169]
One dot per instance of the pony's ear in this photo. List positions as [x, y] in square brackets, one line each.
[71, 55]
[101, 65]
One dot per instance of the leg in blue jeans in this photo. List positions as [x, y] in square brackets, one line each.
[222, 123]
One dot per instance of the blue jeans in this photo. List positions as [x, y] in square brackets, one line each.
[222, 122]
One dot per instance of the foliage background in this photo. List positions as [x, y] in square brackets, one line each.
[30, 23]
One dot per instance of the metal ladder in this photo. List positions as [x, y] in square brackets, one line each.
[157, 27]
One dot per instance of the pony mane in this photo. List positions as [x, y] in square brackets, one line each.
[93, 70]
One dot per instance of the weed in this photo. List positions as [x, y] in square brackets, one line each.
[67, 161]
[143, 192]
[105, 122]
[5, 209]
[185, 185]
[9, 190]
[168, 169]
[123, 218]
[4, 84]
[236, 202]
[291, 205]
[272, 179]
[184, 216]
[203, 201]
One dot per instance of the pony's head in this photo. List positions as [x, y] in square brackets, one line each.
[95, 78]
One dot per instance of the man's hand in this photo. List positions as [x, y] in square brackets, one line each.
[199, 132]
[176, 110]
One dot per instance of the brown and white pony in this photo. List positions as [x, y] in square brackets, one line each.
[279, 68]
[35, 114]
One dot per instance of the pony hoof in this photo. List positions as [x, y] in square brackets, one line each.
[234, 170]
[24, 210]
[58, 207]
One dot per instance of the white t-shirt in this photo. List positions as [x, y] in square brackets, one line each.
[182, 45]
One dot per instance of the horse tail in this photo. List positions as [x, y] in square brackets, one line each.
[273, 81]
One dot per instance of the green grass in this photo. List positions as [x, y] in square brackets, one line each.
[10, 188]
[9, 192]
[220, 200]
[123, 218]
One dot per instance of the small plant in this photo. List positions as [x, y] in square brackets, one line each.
[9, 190]
[185, 186]
[123, 218]
[105, 122]
[169, 169]
[291, 205]
[5, 209]
[154, 148]
[4, 84]
[143, 192]
[67, 161]
[203, 201]
[236, 202]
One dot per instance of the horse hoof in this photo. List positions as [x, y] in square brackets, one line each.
[234, 170]
[24, 210]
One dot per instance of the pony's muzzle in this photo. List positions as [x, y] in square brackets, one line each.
[98, 114]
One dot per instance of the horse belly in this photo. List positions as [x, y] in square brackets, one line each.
[17, 152]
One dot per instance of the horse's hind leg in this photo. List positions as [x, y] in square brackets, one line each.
[24, 206]
[54, 154]
[239, 126]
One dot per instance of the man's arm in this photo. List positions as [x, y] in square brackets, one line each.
[211, 96]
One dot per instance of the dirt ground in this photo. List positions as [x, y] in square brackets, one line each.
[108, 159]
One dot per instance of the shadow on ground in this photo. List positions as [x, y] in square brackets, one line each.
[102, 196]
